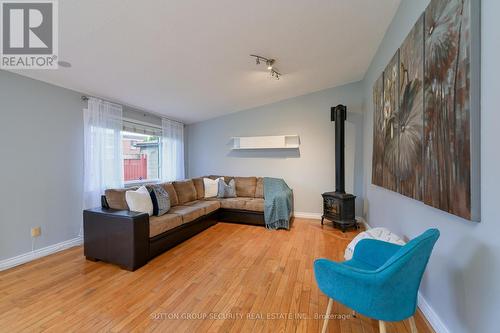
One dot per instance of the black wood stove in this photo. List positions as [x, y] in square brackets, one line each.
[338, 206]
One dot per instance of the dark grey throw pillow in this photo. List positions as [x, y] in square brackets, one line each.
[160, 199]
[226, 190]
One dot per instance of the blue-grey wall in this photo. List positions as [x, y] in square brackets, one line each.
[461, 282]
[310, 170]
[41, 163]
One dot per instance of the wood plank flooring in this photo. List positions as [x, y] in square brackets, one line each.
[229, 278]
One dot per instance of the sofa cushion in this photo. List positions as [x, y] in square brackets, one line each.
[185, 190]
[200, 189]
[169, 187]
[259, 189]
[190, 203]
[245, 186]
[213, 199]
[160, 224]
[188, 213]
[116, 198]
[255, 204]
[211, 206]
[208, 205]
[234, 203]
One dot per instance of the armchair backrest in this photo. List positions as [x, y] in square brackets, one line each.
[398, 280]
[415, 252]
[406, 267]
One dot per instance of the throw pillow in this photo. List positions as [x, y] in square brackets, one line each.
[226, 190]
[139, 201]
[160, 199]
[211, 187]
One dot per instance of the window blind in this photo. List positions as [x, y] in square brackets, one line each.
[134, 127]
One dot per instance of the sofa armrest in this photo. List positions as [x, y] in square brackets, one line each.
[104, 202]
[117, 236]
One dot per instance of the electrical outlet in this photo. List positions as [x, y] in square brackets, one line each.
[36, 232]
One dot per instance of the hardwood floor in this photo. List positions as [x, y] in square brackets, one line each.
[229, 278]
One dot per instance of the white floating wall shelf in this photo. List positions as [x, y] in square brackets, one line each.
[266, 142]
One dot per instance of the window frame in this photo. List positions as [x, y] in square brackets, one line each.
[154, 129]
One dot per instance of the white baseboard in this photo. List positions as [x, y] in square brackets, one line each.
[367, 226]
[431, 316]
[45, 251]
[317, 216]
[428, 312]
[362, 221]
[305, 215]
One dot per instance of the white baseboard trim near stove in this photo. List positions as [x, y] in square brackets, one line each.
[317, 216]
[305, 215]
[45, 251]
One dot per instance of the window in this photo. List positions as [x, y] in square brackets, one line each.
[141, 154]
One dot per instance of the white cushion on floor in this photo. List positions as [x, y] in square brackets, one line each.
[382, 234]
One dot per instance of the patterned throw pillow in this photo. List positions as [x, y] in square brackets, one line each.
[160, 199]
[226, 190]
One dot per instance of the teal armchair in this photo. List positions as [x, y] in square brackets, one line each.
[381, 281]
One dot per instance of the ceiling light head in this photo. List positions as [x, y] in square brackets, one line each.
[270, 63]
[257, 61]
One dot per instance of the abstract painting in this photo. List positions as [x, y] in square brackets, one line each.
[411, 108]
[378, 133]
[447, 107]
[426, 111]
[390, 124]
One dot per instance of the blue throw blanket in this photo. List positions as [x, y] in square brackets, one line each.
[278, 203]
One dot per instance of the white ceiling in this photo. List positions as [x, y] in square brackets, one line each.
[189, 59]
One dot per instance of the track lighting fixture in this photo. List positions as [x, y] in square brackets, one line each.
[269, 64]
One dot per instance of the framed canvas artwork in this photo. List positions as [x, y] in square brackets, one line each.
[427, 111]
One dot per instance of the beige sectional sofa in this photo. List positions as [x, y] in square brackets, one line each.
[142, 237]
[188, 202]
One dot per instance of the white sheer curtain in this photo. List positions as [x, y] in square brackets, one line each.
[172, 142]
[103, 163]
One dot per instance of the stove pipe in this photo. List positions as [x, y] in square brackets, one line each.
[339, 115]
